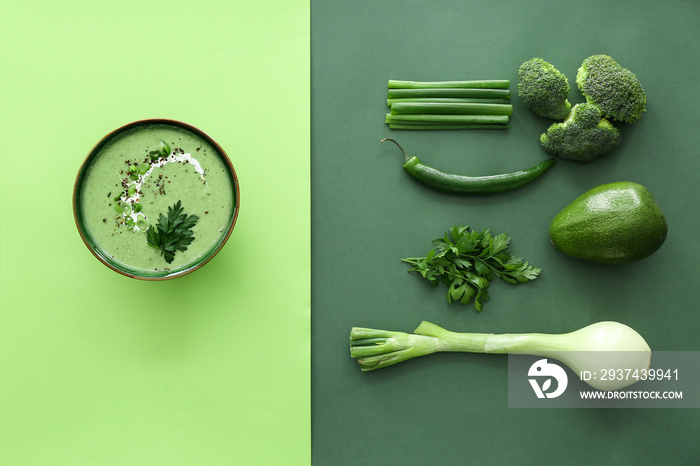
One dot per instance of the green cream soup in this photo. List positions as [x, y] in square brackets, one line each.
[139, 175]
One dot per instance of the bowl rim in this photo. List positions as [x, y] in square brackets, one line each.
[165, 275]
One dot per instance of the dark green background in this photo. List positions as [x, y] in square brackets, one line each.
[367, 214]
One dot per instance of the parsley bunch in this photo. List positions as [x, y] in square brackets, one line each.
[173, 233]
[465, 261]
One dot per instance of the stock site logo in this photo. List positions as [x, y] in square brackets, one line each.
[545, 372]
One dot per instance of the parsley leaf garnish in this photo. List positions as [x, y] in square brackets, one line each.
[173, 233]
[465, 261]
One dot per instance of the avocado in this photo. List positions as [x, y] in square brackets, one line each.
[614, 223]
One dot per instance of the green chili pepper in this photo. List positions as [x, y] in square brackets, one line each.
[459, 184]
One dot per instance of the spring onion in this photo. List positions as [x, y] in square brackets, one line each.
[126, 208]
[477, 84]
[446, 92]
[447, 126]
[445, 100]
[448, 105]
[597, 347]
[446, 119]
[451, 108]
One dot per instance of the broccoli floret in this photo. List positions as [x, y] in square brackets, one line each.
[584, 136]
[543, 89]
[616, 90]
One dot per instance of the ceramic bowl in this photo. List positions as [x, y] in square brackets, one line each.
[122, 266]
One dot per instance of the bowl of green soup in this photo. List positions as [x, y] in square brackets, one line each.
[156, 199]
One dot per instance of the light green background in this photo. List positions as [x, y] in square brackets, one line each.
[211, 368]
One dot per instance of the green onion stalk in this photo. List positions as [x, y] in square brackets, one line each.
[597, 347]
[451, 108]
[448, 105]
[441, 93]
[446, 119]
[473, 84]
[448, 100]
